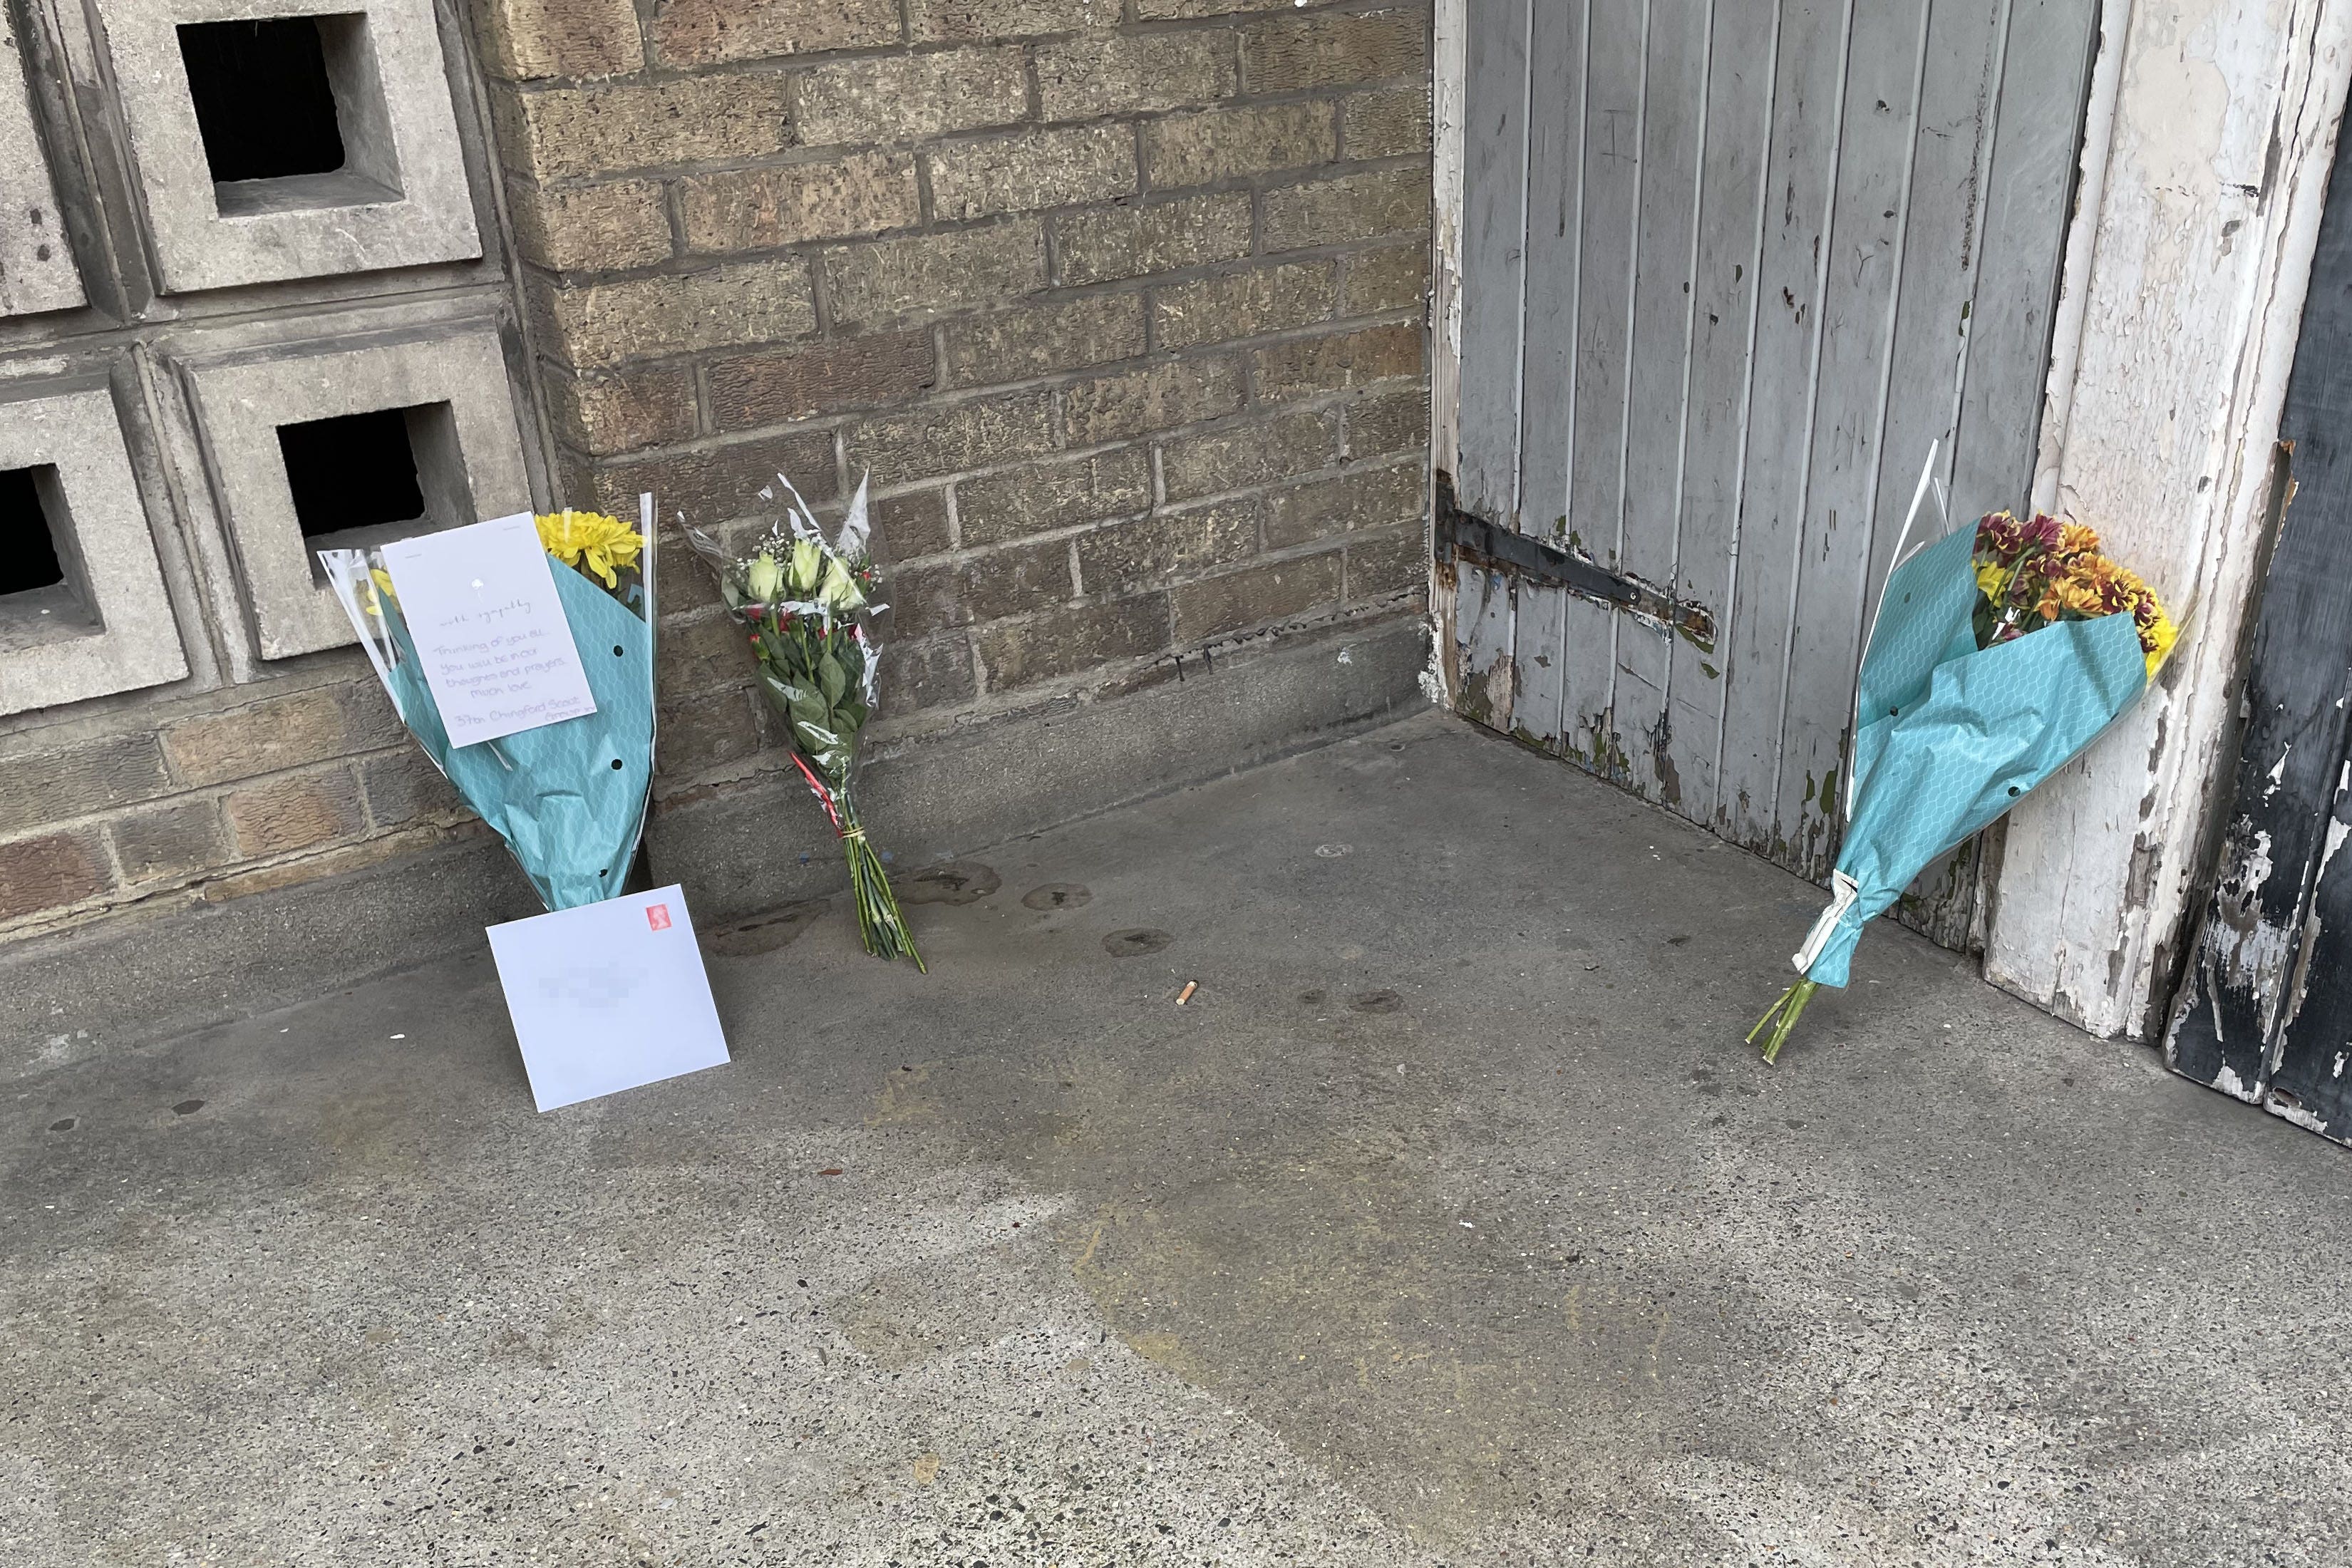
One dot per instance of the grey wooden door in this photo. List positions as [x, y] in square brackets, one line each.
[1730, 267]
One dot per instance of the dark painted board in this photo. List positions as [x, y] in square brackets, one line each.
[2265, 1012]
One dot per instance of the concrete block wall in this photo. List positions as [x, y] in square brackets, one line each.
[1120, 301]
[156, 758]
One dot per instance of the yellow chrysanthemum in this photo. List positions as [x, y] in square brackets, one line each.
[2077, 539]
[2086, 596]
[1992, 581]
[379, 592]
[591, 541]
[2157, 638]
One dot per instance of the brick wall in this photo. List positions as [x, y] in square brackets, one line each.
[1120, 304]
[1120, 301]
[207, 797]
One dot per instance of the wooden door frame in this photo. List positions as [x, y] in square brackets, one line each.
[2203, 180]
[2208, 144]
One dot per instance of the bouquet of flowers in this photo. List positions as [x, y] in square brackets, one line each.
[808, 607]
[2035, 574]
[569, 798]
[1996, 658]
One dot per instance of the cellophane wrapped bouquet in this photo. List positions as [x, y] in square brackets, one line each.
[568, 798]
[807, 607]
[1997, 656]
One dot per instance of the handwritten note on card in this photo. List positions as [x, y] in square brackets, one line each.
[481, 603]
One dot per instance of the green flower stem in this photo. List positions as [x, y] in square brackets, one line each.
[1786, 1010]
[883, 929]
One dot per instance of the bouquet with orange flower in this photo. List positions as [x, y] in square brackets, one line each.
[2039, 573]
[1997, 654]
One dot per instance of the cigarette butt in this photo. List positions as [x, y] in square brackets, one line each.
[1186, 994]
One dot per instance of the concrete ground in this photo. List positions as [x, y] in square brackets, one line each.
[1449, 1223]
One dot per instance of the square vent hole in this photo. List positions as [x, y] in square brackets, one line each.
[361, 480]
[41, 596]
[291, 113]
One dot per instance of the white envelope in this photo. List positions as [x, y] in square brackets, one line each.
[607, 996]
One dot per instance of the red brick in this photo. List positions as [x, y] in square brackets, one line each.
[50, 872]
[1273, 591]
[912, 525]
[721, 483]
[1383, 564]
[303, 812]
[1008, 582]
[1151, 552]
[177, 838]
[1021, 652]
[849, 373]
[710, 32]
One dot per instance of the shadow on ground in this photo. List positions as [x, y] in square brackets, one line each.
[1447, 1223]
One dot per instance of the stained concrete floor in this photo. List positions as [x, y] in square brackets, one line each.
[1449, 1223]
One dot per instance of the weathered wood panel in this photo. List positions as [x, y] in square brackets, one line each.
[1673, 131]
[1752, 277]
[1494, 241]
[1547, 418]
[1555, 226]
[1806, 104]
[1483, 618]
[1743, 49]
[1612, 212]
[2187, 276]
[1951, 165]
[1879, 129]
[2265, 1013]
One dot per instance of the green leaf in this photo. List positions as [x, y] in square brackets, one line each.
[833, 678]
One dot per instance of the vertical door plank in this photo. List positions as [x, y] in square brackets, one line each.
[1555, 189]
[1614, 84]
[1494, 238]
[1538, 650]
[1959, 92]
[1674, 130]
[1806, 98]
[1866, 255]
[1943, 241]
[1555, 192]
[1722, 315]
[2045, 73]
[1482, 628]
